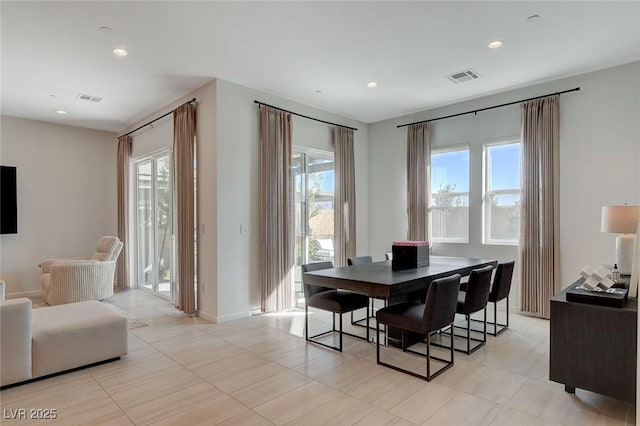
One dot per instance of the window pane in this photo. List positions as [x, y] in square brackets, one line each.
[504, 163]
[450, 196]
[164, 223]
[144, 224]
[320, 208]
[502, 194]
[504, 218]
[450, 169]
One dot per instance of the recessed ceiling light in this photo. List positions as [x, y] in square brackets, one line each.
[119, 52]
[61, 111]
[53, 96]
[318, 91]
[494, 44]
[372, 84]
[533, 18]
[105, 28]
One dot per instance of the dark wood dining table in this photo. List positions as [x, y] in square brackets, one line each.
[380, 281]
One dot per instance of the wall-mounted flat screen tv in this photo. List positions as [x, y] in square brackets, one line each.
[8, 201]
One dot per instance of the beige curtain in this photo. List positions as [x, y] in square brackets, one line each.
[345, 196]
[184, 154]
[418, 180]
[539, 220]
[123, 157]
[276, 210]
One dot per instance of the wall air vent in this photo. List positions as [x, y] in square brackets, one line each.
[462, 76]
[84, 97]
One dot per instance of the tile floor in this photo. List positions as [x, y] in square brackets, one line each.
[259, 371]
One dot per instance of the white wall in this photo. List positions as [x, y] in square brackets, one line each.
[66, 196]
[599, 151]
[238, 171]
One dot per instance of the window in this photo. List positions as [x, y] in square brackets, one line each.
[154, 224]
[501, 201]
[450, 196]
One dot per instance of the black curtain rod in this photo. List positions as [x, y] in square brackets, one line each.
[487, 108]
[304, 116]
[156, 119]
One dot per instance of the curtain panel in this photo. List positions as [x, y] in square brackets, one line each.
[418, 180]
[184, 154]
[123, 158]
[345, 196]
[539, 220]
[276, 210]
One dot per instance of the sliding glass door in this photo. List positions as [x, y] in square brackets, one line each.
[154, 225]
[313, 183]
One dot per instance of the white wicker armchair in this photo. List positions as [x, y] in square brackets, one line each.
[70, 280]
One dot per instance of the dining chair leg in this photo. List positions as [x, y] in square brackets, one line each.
[367, 328]
[428, 340]
[507, 311]
[452, 350]
[468, 333]
[377, 343]
[485, 325]
[333, 328]
[495, 318]
[306, 322]
[340, 331]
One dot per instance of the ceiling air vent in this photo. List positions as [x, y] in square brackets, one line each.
[89, 98]
[462, 76]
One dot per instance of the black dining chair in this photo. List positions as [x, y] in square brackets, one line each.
[334, 301]
[388, 256]
[360, 260]
[471, 300]
[500, 289]
[437, 313]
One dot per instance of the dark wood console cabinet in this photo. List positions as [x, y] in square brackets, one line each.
[594, 347]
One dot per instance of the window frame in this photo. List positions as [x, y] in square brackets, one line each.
[446, 150]
[487, 192]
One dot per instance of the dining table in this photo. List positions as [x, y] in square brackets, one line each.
[379, 280]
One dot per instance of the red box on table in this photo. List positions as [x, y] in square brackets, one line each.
[409, 254]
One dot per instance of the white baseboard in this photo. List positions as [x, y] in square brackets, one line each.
[223, 318]
[29, 294]
[207, 316]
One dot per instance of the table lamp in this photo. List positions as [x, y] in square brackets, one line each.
[622, 220]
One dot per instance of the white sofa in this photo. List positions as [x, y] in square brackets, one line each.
[70, 280]
[40, 342]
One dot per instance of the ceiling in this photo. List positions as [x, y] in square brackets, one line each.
[317, 53]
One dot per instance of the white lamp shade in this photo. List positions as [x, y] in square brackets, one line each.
[620, 219]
